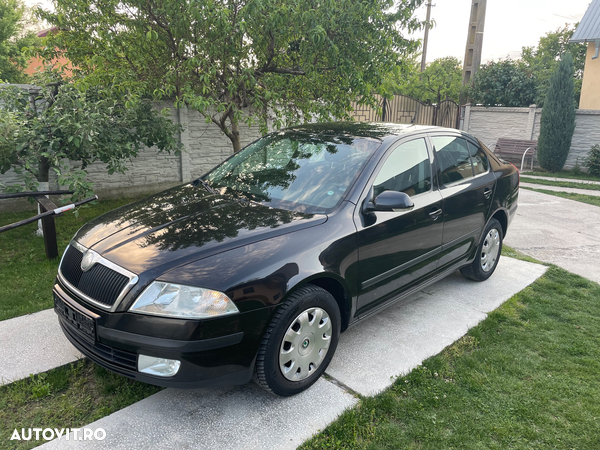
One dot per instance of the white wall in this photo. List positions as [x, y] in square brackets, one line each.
[205, 147]
[490, 124]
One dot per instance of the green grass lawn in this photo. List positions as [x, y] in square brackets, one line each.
[568, 184]
[71, 396]
[564, 174]
[589, 199]
[527, 377]
[26, 276]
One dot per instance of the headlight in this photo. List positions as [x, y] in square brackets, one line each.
[177, 300]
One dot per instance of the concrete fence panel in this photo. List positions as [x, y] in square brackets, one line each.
[490, 124]
[205, 147]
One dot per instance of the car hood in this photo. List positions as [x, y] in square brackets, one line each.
[182, 225]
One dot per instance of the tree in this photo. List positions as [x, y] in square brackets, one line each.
[543, 60]
[80, 126]
[558, 118]
[441, 80]
[12, 40]
[503, 83]
[295, 59]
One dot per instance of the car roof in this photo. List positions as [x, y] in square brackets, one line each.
[373, 130]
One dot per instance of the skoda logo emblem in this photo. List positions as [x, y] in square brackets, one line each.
[89, 259]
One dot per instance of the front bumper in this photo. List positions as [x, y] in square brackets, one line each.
[208, 362]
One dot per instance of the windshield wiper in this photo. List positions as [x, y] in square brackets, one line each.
[205, 185]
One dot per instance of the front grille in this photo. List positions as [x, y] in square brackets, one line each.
[120, 358]
[100, 283]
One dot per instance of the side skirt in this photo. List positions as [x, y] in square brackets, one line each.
[409, 292]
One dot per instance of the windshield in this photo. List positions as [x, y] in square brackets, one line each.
[295, 170]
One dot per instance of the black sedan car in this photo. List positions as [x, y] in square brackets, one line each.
[253, 270]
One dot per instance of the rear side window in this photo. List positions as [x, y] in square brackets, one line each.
[479, 159]
[406, 170]
[453, 157]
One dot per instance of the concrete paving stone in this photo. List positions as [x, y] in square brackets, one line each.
[392, 343]
[32, 344]
[368, 357]
[243, 417]
[558, 231]
[582, 191]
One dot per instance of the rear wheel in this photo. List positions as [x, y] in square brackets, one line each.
[299, 342]
[488, 254]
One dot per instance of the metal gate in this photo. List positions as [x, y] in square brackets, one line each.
[403, 109]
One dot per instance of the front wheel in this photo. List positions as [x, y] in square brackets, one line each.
[299, 342]
[488, 254]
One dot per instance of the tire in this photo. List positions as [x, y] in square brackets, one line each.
[292, 356]
[488, 253]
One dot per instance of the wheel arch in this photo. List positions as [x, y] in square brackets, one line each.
[501, 215]
[336, 286]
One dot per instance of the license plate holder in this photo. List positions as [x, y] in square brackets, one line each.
[81, 323]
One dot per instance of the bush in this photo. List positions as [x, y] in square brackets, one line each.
[577, 170]
[593, 160]
[558, 118]
[503, 83]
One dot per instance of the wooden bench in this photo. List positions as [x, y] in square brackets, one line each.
[516, 148]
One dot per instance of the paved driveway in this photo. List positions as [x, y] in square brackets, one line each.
[368, 358]
[559, 231]
[32, 344]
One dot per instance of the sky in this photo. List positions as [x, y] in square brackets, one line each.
[509, 25]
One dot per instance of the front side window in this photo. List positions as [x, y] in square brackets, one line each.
[453, 157]
[295, 170]
[406, 170]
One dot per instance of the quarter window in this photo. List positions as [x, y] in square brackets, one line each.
[453, 157]
[480, 161]
[406, 170]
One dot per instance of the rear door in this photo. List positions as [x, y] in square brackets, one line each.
[397, 249]
[467, 189]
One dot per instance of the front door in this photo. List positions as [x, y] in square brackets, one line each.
[397, 249]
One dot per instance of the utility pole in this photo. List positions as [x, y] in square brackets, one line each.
[474, 40]
[426, 37]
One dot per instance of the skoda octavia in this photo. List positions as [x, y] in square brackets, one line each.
[253, 270]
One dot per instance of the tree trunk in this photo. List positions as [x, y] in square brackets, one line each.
[43, 171]
[235, 135]
[43, 176]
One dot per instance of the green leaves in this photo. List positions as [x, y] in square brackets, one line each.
[295, 59]
[558, 118]
[503, 83]
[543, 59]
[526, 81]
[82, 127]
[14, 42]
[441, 80]
[593, 160]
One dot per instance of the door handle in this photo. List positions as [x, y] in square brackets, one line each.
[487, 193]
[435, 214]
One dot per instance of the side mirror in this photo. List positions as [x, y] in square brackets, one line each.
[390, 201]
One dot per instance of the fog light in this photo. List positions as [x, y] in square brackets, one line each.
[160, 367]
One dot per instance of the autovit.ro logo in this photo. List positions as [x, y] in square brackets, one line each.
[68, 434]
